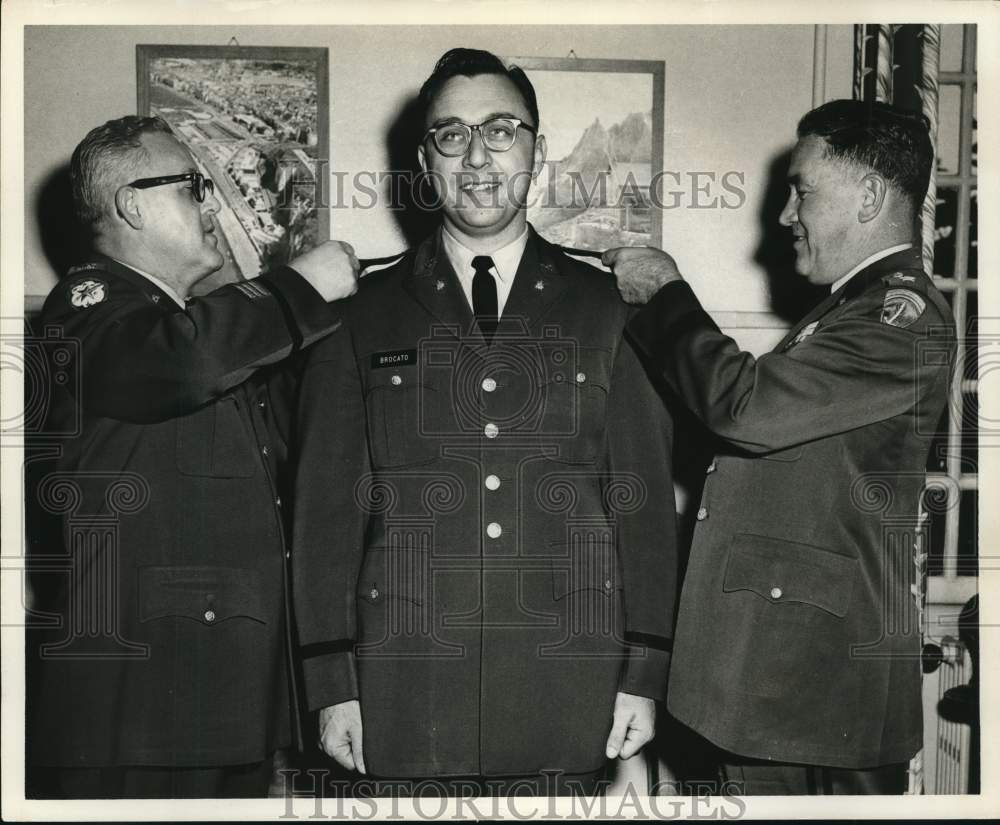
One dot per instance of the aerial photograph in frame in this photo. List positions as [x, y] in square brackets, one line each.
[603, 124]
[255, 120]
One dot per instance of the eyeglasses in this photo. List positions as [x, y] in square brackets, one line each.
[200, 185]
[498, 134]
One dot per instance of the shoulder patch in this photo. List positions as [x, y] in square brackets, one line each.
[902, 308]
[88, 292]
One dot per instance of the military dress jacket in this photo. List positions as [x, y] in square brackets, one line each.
[797, 636]
[157, 519]
[499, 560]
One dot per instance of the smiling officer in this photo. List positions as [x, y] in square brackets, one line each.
[511, 570]
[798, 647]
[167, 673]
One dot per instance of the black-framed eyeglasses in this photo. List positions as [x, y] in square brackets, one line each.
[498, 134]
[200, 185]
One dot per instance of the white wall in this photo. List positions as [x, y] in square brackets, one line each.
[733, 96]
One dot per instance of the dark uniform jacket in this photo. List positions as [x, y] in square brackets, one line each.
[797, 636]
[477, 572]
[158, 517]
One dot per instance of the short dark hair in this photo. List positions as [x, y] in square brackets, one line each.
[100, 159]
[886, 139]
[472, 62]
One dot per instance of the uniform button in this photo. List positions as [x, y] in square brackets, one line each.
[702, 514]
[489, 384]
[711, 468]
[262, 404]
[494, 530]
[278, 501]
[776, 593]
[607, 584]
[373, 593]
[492, 482]
[396, 380]
[265, 450]
[581, 377]
[156, 299]
[491, 430]
[209, 615]
[288, 554]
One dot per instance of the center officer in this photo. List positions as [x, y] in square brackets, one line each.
[508, 552]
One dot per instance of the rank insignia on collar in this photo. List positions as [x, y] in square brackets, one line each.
[902, 308]
[804, 333]
[439, 285]
[87, 293]
[899, 276]
[539, 285]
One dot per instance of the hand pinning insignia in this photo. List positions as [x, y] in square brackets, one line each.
[87, 293]
[901, 308]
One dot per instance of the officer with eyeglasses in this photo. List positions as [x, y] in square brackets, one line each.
[165, 670]
[489, 605]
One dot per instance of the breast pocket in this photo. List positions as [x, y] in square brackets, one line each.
[397, 405]
[575, 404]
[215, 442]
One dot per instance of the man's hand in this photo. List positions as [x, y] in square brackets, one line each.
[641, 271]
[633, 725]
[340, 734]
[331, 268]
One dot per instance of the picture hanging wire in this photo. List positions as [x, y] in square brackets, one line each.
[572, 54]
[233, 41]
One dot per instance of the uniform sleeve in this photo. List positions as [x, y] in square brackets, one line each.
[853, 371]
[640, 494]
[141, 364]
[329, 523]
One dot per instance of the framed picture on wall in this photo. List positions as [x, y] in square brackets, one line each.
[255, 118]
[603, 124]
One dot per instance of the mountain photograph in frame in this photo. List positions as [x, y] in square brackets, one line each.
[255, 119]
[603, 123]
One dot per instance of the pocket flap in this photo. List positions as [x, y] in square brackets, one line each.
[587, 567]
[207, 594]
[784, 571]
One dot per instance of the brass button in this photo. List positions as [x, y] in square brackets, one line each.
[702, 514]
[489, 384]
[776, 593]
[262, 404]
[494, 530]
[607, 584]
[209, 615]
[278, 501]
[492, 482]
[396, 380]
[265, 450]
[374, 593]
[491, 430]
[581, 377]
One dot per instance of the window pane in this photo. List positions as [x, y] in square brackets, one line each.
[951, 47]
[949, 114]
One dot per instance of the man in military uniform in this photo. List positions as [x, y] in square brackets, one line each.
[797, 649]
[509, 546]
[166, 674]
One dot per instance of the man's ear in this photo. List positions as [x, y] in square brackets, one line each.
[127, 207]
[539, 160]
[873, 194]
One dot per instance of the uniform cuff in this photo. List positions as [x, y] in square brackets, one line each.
[645, 672]
[330, 678]
[307, 315]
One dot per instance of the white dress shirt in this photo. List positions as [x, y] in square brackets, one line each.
[505, 263]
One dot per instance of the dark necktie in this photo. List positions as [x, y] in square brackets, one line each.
[484, 296]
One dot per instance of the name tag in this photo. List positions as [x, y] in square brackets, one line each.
[396, 358]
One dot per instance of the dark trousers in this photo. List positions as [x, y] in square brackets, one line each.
[751, 777]
[547, 784]
[141, 782]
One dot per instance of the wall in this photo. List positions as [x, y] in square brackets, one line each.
[733, 95]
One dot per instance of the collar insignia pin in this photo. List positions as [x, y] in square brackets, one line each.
[439, 285]
[539, 285]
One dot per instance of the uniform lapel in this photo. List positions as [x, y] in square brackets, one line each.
[538, 285]
[906, 259]
[434, 285]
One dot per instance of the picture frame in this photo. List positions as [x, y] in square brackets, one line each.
[256, 120]
[603, 124]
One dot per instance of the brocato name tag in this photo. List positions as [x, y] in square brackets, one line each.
[394, 358]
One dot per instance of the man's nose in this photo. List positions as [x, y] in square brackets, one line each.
[477, 155]
[790, 213]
